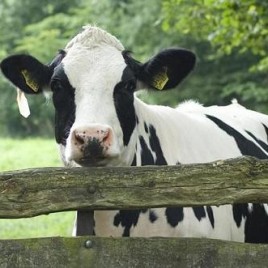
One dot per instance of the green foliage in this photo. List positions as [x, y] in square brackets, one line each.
[229, 38]
[230, 26]
[234, 62]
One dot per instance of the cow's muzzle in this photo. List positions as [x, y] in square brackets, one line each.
[90, 144]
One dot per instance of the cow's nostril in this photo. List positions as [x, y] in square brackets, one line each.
[105, 136]
[80, 139]
[86, 136]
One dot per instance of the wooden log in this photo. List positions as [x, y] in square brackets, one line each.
[130, 252]
[32, 192]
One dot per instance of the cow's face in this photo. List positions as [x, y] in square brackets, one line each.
[93, 93]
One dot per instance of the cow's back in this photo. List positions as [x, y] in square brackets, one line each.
[194, 134]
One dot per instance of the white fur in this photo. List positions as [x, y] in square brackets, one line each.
[94, 65]
[92, 36]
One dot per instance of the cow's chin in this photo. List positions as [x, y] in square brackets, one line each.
[87, 161]
[93, 162]
[90, 162]
[74, 158]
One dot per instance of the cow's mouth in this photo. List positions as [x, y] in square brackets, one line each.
[90, 161]
[92, 154]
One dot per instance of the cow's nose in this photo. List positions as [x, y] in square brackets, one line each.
[84, 135]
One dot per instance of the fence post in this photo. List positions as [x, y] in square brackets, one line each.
[84, 222]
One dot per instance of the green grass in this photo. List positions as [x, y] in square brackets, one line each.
[29, 153]
[20, 154]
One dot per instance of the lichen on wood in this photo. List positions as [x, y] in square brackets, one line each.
[130, 252]
[27, 193]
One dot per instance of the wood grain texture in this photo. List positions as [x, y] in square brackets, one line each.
[27, 193]
[130, 252]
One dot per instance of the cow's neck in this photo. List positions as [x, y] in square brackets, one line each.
[144, 146]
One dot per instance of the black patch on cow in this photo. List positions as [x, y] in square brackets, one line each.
[256, 227]
[146, 155]
[266, 130]
[240, 211]
[210, 215]
[199, 212]
[146, 128]
[63, 100]
[152, 216]
[260, 142]
[137, 120]
[124, 104]
[127, 219]
[134, 162]
[245, 146]
[156, 147]
[174, 215]
[256, 222]
[57, 60]
[133, 64]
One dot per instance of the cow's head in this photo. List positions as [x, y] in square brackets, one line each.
[93, 82]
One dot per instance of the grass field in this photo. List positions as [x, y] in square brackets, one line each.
[29, 153]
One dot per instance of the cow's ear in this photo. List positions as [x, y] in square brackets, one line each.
[26, 73]
[167, 69]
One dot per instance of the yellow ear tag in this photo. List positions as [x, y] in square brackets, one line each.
[33, 85]
[160, 79]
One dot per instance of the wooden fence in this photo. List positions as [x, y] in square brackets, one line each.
[28, 193]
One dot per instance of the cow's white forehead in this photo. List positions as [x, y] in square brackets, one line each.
[92, 36]
[93, 54]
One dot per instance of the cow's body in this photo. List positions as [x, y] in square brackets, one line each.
[100, 122]
[157, 136]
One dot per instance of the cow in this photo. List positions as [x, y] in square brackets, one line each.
[99, 121]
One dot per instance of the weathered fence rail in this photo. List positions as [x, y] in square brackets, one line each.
[64, 252]
[28, 193]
